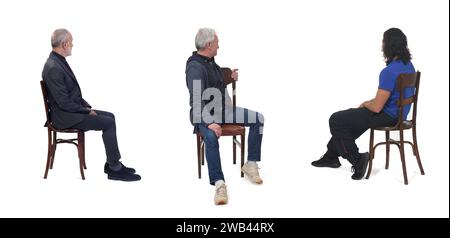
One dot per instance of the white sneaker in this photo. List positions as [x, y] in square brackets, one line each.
[251, 171]
[221, 197]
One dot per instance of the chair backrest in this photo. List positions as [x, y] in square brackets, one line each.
[47, 108]
[408, 81]
[227, 80]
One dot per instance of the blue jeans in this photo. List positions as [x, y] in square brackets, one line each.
[212, 143]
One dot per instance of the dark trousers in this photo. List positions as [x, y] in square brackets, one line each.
[212, 144]
[106, 122]
[348, 125]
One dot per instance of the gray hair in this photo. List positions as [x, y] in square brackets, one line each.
[59, 36]
[203, 37]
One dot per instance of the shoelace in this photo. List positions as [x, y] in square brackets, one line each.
[254, 170]
[354, 167]
[221, 190]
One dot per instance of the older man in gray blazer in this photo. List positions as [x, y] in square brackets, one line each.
[68, 109]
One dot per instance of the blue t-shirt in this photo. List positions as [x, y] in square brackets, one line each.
[388, 81]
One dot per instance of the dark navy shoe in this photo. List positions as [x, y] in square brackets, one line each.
[359, 168]
[123, 175]
[325, 161]
[106, 169]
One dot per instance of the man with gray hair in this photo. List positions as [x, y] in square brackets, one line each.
[68, 109]
[204, 79]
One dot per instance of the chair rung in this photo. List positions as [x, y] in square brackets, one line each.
[66, 140]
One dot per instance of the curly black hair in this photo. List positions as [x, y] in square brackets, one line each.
[395, 46]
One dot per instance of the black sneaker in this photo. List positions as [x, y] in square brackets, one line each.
[325, 161]
[360, 166]
[123, 175]
[106, 169]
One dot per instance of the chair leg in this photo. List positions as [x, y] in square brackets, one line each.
[242, 153]
[234, 150]
[80, 153]
[371, 153]
[402, 156]
[49, 153]
[416, 150]
[83, 150]
[387, 150]
[199, 159]
[54, 144]
[202, 147]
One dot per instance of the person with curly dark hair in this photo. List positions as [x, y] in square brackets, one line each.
[346, 126]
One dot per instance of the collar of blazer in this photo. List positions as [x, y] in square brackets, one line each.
[64, 67]
[67, 70]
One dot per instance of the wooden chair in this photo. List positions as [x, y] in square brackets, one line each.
[227, 130]
[53, 140]
[403, 81]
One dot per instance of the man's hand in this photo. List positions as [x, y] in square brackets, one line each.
[235, 74]
[216, 128]
[92, 113]
[362, 105]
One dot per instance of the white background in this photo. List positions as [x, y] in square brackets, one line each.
[299, 62]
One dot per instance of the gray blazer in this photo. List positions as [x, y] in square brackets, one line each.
[67, 106]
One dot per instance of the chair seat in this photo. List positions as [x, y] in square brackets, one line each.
[232, 130]
[68, 130]
[406, 125]
[237, 130]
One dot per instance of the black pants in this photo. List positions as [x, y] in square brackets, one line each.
[106, 122]
[348, 125]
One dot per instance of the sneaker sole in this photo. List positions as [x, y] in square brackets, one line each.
[221, 203]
